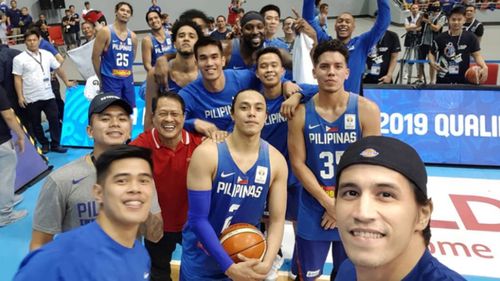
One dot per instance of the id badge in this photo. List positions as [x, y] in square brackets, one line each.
[46, 82]
[378, 60]
[458, 58]
[453, 68]
[375, 70]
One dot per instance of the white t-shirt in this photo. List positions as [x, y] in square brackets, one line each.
[35, 72]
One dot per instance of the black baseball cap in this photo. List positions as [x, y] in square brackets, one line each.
[102, 101]
[387, 152]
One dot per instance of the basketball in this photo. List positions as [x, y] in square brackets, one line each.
[473, 74]
[245, 239]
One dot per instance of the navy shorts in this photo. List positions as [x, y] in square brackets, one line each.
[123, 87]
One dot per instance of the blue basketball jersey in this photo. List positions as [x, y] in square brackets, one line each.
[237, 197]
[325, 143]
[118, 59]
[216, 107]
[160, 48]
[236, 61]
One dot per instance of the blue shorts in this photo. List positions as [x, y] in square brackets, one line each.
[123, 87]
[292, 202]
[311, 256]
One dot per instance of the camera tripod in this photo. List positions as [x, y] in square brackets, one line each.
[408, 62]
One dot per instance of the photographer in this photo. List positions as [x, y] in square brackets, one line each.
[67, 28]
[432, 22]
[413, 27]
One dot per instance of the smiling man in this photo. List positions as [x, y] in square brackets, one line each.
[157, 43]
[108, 246]
[70, 187]
[383, 214]
[172, 147]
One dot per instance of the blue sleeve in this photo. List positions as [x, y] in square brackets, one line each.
[45, 45]
[308, 15]
[308, 91]
[371, 37]
[42, 265]
[199, 208]
[189, 118]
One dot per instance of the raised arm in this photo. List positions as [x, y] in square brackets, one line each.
[372, 36]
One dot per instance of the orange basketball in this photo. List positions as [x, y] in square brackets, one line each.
[472, 74]
[245, 239]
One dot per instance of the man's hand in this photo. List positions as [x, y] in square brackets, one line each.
[302, 26]
[437, 67]
[288, 107]
[328, 221]
[385, 80]
[20, 143]
[209, 130]
[290, 88]
[483, 75]
[22, 102]
[245, 270]
[161, 71]
[70, 83]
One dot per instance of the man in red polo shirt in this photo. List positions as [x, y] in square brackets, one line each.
[172, 147]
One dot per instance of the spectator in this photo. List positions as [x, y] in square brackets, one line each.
[31, 71]
[3, 27]
[322, 17]
[289, 32]
[271, 14]
[43, 26]
[3, 7]
[8, 161]
[472, 24]
[89, 31]
[234, 10]
[211, 25]
[13, 18]
[413, 27]
[382, 59]
[154, 6]
[87, 8]
[221, 32]
[167, 25]
[26, 20]
[97, 18]
[67, 28]
[451, 51]
[75, 28]
[432, 24]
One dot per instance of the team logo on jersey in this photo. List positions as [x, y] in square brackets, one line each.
[332, 129]
[225, 175]
[449, 50]
[350, 121]
[129, 41]
[369, 153]
[261, 175]
[242, 180]
[462, 47]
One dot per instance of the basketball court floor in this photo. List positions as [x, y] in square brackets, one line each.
[466, 222]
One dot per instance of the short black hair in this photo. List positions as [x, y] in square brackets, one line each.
[71, 6]
[168, 95]
[457, 10]
[33, 30]
[180, 23]
[152, 11]
[206, 41]
[333, 45]
[119, 152]
[220, 16]
[470, 6]
[235, 98]
[268, 50]
[323, 5]
[268, 8]
[86, 3]
[117, 7]
[193, 14]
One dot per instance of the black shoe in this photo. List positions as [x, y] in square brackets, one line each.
[45, 148]
[58, 149]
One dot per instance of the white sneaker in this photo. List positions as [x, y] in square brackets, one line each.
[277, 263]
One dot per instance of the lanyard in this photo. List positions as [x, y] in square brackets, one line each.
[471, 25]
[39, 62]
[458, 41]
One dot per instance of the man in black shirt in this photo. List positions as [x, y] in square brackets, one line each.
[451, 51]
[382, 59]
[76, 27]
[221, 32]
[8, 161]
[472, 24]
[67, 29]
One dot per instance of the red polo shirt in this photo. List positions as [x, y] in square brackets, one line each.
[170, 175]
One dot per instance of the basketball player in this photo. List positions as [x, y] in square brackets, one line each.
[113, 55]
[106, 248]
[228, 183]
[172, 147]
[318, 134]
[359, 47]
[181, 70]
[383, 214]
[157, 43]
[65, 200]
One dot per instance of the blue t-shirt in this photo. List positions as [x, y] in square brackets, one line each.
[236, 61]
[359, 46]
[428, 268]
[236, 197]
[275, 42]
[325, 142]
[158, 48]
[155, 8]
[85, 253]
[118, 59]
[216, 107]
